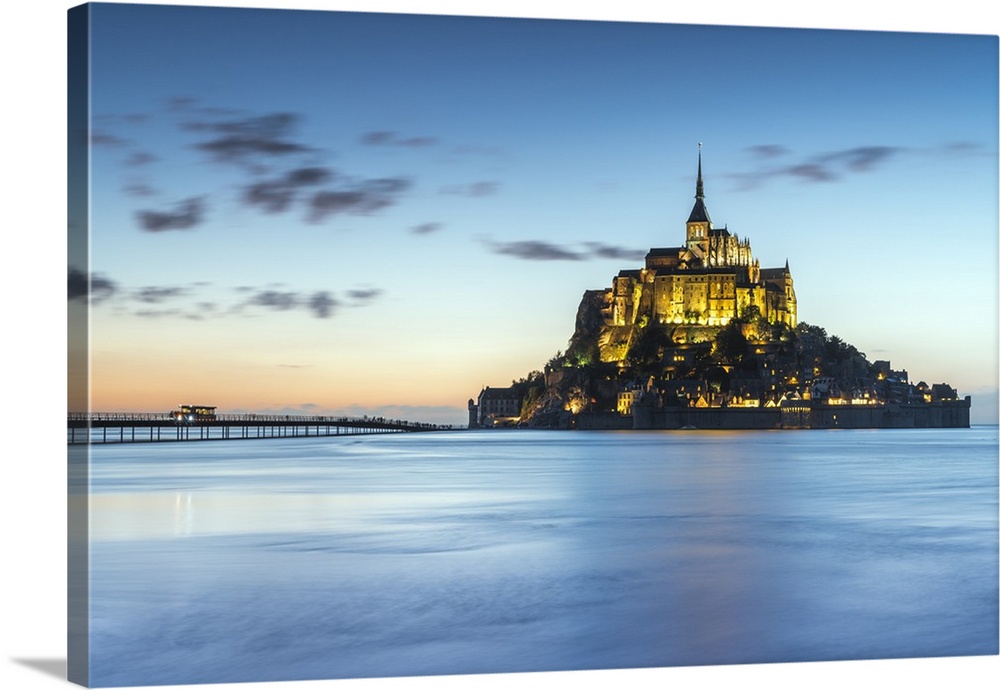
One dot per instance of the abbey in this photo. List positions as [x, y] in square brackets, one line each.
[710, 280]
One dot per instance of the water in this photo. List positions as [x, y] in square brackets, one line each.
[481, 552]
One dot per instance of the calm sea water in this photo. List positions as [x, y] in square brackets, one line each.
[475, 552]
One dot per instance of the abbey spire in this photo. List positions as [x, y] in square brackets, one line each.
[699, 214]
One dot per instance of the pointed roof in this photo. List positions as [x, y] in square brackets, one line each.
[699, 214]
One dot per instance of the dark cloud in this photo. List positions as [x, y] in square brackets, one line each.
[139, 158]
[767, 151]
[188, 214]
[833, 165]
[272, 299]
[155, 295]
[538, 250]
[810, 172]
[468, 150]
[426, 228]
[535, 250]
[961, 148]
[302, 177]
[475, 189]
[387, 138]
[272, 197]
[139, 189]
[129, 119]
[104, 139]
[363, 295]
[243, 140]
[863, 158]
[362, 198]
[157, 301]
[181, 102]
[284, 172]
[376, 138]
[157, 313]
[277, 195]
[605, 251]
[417, 142]
[322, 305]
[96, 286]
[829, 166]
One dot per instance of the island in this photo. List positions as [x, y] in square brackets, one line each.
[702, 337]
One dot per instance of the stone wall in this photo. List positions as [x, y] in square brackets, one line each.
[941, 414]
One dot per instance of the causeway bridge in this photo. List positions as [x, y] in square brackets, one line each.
[146, 427]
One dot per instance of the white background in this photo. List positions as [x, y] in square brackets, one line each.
[32, 340]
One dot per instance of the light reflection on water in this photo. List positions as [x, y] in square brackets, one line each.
[523, 551]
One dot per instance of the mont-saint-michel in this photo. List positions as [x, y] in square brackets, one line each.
[703, 337]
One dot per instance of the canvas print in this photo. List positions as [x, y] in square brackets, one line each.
[421, 345]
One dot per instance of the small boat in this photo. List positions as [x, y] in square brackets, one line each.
[688, 427]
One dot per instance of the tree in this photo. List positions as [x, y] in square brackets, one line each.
[731, 344]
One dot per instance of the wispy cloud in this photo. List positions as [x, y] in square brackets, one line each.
[273, 299]
[99, 138]
[607, 251]
[278, 194]
[776, 161]
[360, 198]
[474, 189]
[140, 158]
[246, 139]
[539, 250]
[139, 189]
[161, 313]
[185, 216]
[363, 295]
[472, 150]
[322, 305]
[767, 151]
[426, 228]
[189, 301]
[389, 138]
[283, 173]
[534, 250]
[155, 295]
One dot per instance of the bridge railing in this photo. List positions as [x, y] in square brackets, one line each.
[168, 417]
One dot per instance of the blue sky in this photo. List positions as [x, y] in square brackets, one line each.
[377, 213]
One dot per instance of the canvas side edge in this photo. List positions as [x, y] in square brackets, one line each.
[78, 351]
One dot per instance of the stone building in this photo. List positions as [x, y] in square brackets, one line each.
[711, 279]
[495, 407]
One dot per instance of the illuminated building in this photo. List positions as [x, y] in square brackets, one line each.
[710, 280]
[495, 407]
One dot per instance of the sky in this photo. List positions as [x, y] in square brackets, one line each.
[315, 212]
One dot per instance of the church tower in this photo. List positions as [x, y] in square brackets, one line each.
[699, 223]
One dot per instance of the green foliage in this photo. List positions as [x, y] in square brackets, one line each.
[731, 344]
[646, 350]
[808, 331]
[557, 361]
[529, 389]
[718, 379]
[581, 355]
[751, 313]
